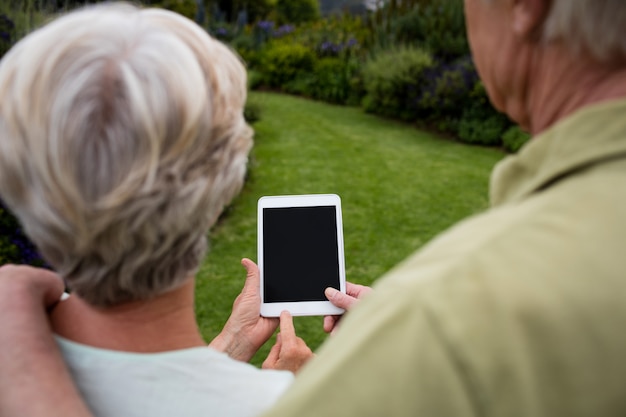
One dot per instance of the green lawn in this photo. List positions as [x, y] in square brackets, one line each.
[399, 187]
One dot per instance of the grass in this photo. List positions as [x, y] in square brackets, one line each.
[399, 187]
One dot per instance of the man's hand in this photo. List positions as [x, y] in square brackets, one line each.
[34, 380]
[290, 352]
[246, 330]
[354, 293]
[24, 287]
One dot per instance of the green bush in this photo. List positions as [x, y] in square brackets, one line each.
[15, 247]
[297, 11]
[283, 62]
[514, 138]
[252, 111]
[18, 18]
[480, 123]
[333, 36]
[437, 25]
[7, 28]
[187, 8]
[245, 45]
[448, 91]
[477, 130]
[331, 80]
[300, 85]
[393, 81]
[233, 10]
[255, 79]
[9, 252]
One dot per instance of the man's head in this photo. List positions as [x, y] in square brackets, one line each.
[121, 139]
[510, 39]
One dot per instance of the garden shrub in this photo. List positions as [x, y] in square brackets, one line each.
[262, 32]
[341, 36]
[9, 252]
[514, 138]
[297, 11]
[242, 11]
[338, 37]
[300, 85]
[447, 91]
[224, 32]
[331, 80]
[476, 128]
[14, 245]
[393, 81]
[187, 8]
[252, 111]
[283, 62]
[255, 79]
[437, 25]
[17, 18]
[246, 46]
[6, 33]
[480, 123]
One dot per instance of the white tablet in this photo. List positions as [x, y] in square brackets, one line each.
[300, 245]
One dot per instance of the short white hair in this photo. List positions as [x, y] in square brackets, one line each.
[122, 138]
[594, 27]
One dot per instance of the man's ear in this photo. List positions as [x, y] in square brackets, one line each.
[529, 16]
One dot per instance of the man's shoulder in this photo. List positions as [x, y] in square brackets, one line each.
[564, 233]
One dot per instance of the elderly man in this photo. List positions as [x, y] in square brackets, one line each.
[518, 311]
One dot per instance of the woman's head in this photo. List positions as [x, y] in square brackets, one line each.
[121, 139]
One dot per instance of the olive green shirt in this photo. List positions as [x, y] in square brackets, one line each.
[520, 311]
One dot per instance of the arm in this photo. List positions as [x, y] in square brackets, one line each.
[34, 380]
[246, 331]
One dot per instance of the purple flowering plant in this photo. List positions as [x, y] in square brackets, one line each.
[284, 30]
[15, 247]
[6, 30]
[265, 25]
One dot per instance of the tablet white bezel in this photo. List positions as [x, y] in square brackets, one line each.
[301, 308]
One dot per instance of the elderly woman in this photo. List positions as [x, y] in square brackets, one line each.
[518, 311]
[122, 139]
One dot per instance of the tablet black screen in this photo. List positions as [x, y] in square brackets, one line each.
[300, 253]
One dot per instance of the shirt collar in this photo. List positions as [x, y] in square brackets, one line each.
[590, 136]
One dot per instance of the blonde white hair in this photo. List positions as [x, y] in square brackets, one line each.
[122, 138]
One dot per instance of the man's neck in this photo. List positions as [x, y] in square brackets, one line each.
[164, 323]
[561, 84]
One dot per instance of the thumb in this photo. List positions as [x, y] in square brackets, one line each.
[54, 287]
[252, 273]
[339, 299]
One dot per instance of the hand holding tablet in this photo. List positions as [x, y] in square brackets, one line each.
[300, 253]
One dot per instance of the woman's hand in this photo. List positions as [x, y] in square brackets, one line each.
[246, 330]
[354, 293]
[290, 352]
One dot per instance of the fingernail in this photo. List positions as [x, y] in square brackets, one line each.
[330, 292]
